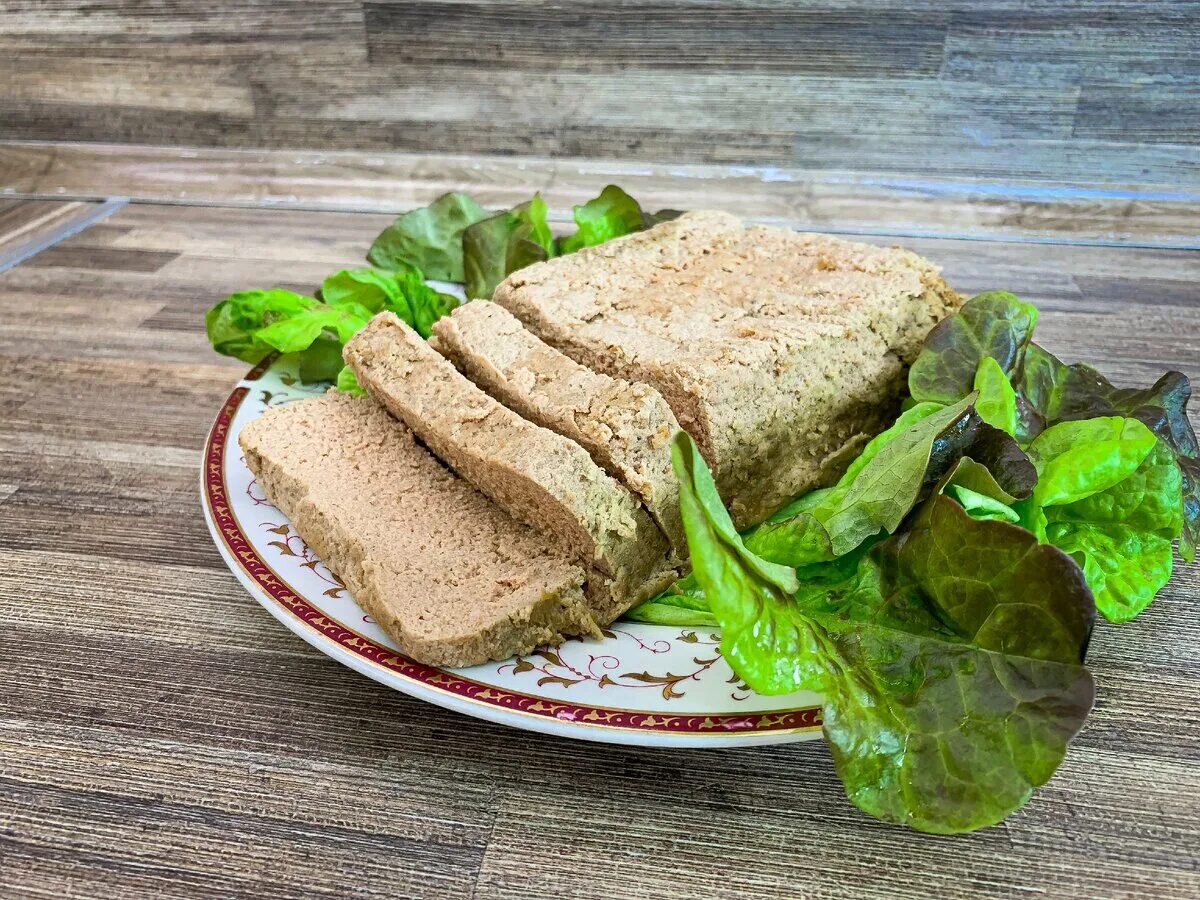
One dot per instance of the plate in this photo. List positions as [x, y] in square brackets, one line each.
[644, 685]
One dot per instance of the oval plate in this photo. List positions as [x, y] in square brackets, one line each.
[645, 685]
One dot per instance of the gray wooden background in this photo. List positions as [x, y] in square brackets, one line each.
[1074, 91]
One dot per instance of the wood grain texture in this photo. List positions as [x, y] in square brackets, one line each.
[162, 735]
[848, 202]
[1077, 90]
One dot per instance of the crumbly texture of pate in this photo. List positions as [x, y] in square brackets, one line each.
[778, 351]
[452, 578]
[626, 427]
[541, 478]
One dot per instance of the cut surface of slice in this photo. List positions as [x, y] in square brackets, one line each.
[452, 578]
[626, 427]
[541, 478]
[774, 348]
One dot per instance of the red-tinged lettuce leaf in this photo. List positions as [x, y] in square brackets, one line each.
[496, 247]
[612, 214]
[649, 220]
[1055, 392]
[950, 655]
[429, 238]
[994, 324]
[877, 491]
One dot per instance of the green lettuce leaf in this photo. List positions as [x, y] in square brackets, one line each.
[997, 403]
[1056, 392]
[950, 655]
[747, 595]
[877, 491]
[612, 214]
[994, 324]
[403, 292]
[1121, 533]
[429, 238]
[347, 381]
[1109, 494]
[979, 505]
[251, 324]
[234, 323]
[496, 247]
[1077, 459]
[1125, 568]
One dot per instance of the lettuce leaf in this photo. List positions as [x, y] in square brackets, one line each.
[612, 214]
[989, 342]
[1117, 515]
[995, 325]
[496, 247]
[997, 403]
[1077, 459]
[950, 655]
[403, 292]
[979, 505]
[683, 603]
[251, 324]
[877, 491]
[347, 381]
[233, 324]
[1056, 392]
[429, 238]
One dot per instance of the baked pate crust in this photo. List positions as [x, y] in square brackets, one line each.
[774, 348]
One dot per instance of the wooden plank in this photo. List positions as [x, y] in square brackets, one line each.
[968, 89]
[846, 202]
[25, 220]
[167, 737]
[29, 227]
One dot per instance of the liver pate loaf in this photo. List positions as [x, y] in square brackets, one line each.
[452, 578]
[626, 427]
[780, 352]
[541, 478]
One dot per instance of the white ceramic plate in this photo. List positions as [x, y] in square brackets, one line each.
[646, 685]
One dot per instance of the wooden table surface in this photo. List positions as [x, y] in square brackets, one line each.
[161, 734]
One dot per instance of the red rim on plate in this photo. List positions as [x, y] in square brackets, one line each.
[448, 681]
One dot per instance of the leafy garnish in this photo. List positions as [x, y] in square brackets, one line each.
[878, 490]
[1056, 392]
[612, 214]
[950, 656]
[992, 335]
[1109, 495]
[347, 382]
[251, 324]
[997, 403]
[995, 325]
[496, 247]
[403, 292]
[429, 238]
